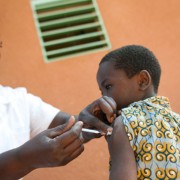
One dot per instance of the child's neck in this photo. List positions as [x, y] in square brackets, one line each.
[149, 94]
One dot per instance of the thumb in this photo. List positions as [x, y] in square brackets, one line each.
[62, 128]
[99, 125]
[104, 128]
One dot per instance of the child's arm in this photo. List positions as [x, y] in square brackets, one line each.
[122, 155]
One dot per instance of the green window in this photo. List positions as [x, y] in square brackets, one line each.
[68, 28]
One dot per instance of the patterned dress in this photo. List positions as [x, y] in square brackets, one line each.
[154, 134]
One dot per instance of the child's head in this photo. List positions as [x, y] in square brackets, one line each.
[129, 74]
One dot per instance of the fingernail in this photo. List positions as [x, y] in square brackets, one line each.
[81, 137]
[109, 131]
[119, 112]
[112, 118]
[79, 123]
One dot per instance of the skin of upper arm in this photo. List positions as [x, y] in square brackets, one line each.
[122, 155]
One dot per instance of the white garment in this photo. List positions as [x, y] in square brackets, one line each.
[22, 115]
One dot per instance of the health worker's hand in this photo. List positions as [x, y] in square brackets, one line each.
[54, 147]
[98, 115]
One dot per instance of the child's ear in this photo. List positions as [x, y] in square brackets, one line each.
[144, 80]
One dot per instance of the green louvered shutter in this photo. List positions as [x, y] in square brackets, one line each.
[69, 28]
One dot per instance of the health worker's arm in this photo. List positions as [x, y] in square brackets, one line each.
[51, 148]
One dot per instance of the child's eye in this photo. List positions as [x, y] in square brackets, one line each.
[108, 86]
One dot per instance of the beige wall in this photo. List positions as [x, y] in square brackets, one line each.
[71, 84]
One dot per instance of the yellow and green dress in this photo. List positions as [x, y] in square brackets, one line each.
[153, 130]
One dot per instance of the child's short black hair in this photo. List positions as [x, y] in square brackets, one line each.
[134, 58]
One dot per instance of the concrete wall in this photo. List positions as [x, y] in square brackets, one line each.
[70, 84]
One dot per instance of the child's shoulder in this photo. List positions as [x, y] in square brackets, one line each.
[153, 105]
[149, 112]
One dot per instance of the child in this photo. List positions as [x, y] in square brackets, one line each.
[145, 143]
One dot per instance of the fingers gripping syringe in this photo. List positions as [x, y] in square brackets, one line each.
[95, 131]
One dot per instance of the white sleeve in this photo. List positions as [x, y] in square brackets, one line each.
[41, 114]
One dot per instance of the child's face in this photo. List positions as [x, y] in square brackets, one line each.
[116, 84]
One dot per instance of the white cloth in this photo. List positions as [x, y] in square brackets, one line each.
[22, 115]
